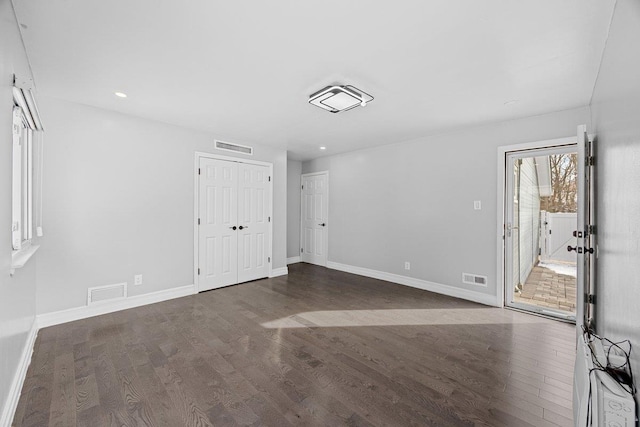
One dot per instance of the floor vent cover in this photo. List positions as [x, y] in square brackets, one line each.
[474, 279]
[221, 145]
[100, 294]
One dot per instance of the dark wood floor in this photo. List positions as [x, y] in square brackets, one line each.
[317, 347]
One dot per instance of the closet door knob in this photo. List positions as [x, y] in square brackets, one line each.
[243, 227]
[234, 227]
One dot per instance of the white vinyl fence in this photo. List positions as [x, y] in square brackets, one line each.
[556, 234]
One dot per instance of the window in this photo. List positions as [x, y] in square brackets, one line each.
[22, 219]
[26, 173]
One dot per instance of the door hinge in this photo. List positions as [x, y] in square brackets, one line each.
[198, 171]
[301, 250]
[269, 179]
[592, 229]
[198, 271]
[591, 299]
[268, 219]
[268, 259]
[591, 161]
[198, 221]
[303, 187]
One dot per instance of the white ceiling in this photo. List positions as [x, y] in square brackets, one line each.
[243, 70]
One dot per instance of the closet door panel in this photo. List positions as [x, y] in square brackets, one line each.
[218, 213]
[253, 222]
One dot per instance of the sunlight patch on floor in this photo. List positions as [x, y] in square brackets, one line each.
[400, 317]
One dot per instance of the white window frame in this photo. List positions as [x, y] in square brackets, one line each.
[22, 182]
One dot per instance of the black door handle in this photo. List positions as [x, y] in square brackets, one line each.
[243, 227]
[233, 228]
[579, 250]
[323, 224]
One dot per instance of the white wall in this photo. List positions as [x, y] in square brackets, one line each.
[118, 201]
[17, 293]
[414, 201]
[294, 170]
[616, 121]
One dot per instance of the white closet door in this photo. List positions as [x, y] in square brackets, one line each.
[218, 235]
[315, 212]
[253, 222]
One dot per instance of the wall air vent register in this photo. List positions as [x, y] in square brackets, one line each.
[474, 279]
[237, 148]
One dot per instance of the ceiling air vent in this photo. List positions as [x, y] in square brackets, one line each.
[474, 279]
[336, 99]
[227, 146]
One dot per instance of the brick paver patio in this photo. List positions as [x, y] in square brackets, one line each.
[546, 288]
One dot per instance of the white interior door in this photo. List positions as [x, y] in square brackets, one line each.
[217, 231]
[314, 221]
[253, 222]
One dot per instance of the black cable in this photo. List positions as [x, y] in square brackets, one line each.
[626, 366]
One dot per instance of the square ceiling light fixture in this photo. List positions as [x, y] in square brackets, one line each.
[336, 99]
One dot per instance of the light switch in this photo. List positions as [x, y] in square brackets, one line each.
[477, 205]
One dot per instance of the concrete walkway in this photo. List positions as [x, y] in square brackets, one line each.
[546, 288]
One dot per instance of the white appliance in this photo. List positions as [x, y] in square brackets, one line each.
[611, 405]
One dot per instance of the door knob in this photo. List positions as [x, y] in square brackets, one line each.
[569, 248]
[242, 227]
[323, 224]
[233, 228]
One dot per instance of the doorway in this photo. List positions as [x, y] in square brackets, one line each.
[233, 221]
[547, 241]
[314, 223]
[541, 217]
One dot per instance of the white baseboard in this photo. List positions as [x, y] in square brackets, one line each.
[282, 271]
[96, 309]
[11, 403]
[417, 283]
[293, 260]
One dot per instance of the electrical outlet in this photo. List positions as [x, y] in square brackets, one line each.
[137, 279]
[477, 205]
[407, 265]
